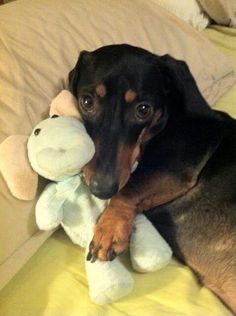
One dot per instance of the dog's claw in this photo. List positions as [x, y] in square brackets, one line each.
[91, 245]
[89, 256]
[94, 258]
[111, 254]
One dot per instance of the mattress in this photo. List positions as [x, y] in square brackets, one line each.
[53, 281]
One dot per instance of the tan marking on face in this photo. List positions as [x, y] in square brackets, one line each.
[90, 167]
[130, 96]
[126, 157]
[146, 134]
[101, 90]
[156, 117]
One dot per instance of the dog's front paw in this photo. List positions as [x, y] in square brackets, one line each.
[111, 236]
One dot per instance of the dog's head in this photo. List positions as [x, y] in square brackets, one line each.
[125, 96]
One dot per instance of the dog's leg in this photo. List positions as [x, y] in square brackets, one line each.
[227, 293]
[143, 192]
[111, 236]
[220, 276]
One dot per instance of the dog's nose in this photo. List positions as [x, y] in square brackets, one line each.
[103, 186]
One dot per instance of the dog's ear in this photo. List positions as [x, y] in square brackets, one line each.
[181, 86]
[74, 74]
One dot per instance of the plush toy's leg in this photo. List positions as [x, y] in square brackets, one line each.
[48, 210]
[148, 250]
[108, 281]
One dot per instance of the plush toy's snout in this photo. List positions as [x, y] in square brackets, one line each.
[59, 147]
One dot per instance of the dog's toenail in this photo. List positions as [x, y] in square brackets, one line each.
[89, 256]
[111, 254]
[94, 258]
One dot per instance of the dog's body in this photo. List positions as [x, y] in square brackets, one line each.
[138, 106]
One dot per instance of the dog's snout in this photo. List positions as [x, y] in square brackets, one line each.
[103, 186]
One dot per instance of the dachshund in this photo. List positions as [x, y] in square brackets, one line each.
[147, 109]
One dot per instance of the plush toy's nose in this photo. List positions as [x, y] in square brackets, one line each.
[103, 186]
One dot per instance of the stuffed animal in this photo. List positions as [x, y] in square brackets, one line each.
[58, 148]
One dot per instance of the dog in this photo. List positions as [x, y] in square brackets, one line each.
[140, 107]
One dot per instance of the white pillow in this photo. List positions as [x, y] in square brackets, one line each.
[188, 10]
[223, 12]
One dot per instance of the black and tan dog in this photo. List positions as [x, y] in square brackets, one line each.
[139, 106]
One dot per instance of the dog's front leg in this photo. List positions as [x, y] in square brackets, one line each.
[112, 232]
[143, 192]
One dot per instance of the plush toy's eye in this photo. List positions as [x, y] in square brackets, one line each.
[37, 131]
[54, 116]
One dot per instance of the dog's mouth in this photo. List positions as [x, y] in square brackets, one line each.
[104, 186]
[105, 182]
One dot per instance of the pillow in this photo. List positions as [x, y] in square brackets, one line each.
[188, 10]
[40, 41]
[221, 11]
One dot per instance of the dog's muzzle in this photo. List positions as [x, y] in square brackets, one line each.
[103, 186]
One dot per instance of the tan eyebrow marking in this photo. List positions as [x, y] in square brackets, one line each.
[130, 96]
[101, 90]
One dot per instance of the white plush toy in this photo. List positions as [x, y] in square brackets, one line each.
[58, 148]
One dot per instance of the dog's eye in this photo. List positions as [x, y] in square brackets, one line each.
[86, 103]
[143, 111]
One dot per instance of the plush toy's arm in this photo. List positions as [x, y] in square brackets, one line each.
[107, 281]
[49, 208]
[21, 180]
[148, 250]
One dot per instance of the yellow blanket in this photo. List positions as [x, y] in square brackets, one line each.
[53, 283]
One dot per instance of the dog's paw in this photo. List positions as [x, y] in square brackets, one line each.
[111, 237]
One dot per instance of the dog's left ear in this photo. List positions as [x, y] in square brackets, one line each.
[74, 74]
[179, 82]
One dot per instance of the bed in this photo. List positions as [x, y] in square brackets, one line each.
[42, 273]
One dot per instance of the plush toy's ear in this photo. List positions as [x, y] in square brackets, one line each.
[64, 104]
[21, 180]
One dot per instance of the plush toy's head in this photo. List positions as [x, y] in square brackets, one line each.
[59, 147]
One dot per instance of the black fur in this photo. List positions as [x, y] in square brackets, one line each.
[201, 225]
